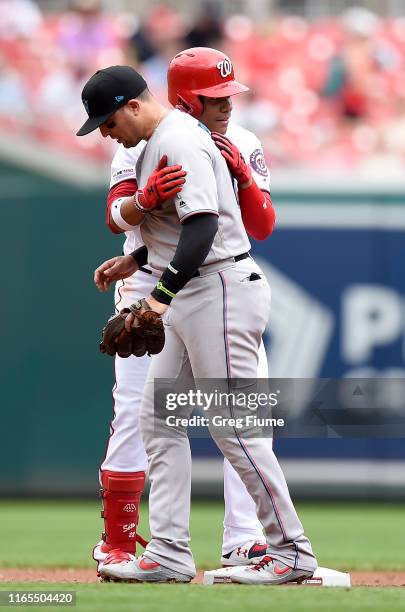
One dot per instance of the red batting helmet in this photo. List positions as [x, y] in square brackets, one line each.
[200, 71]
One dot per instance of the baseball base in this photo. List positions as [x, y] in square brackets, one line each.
[323, 576]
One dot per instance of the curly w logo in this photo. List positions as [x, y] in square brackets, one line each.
[225, 67]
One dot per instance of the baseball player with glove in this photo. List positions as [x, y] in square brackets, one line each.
[209, 245]
[243, 541]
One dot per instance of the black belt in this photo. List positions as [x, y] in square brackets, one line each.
[236, 258]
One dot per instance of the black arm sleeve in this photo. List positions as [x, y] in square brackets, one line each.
[141, 256]
[196, 237]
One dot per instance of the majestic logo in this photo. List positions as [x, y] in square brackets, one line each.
[86, 106]
[119, 98]
[258, 162]
[129, 508]
[225, 67]
[182, 203]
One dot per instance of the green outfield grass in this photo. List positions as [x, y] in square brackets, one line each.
[42, 534]
[224, 598]
[62, 534]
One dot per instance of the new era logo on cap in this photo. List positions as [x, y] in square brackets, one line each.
[106, 91]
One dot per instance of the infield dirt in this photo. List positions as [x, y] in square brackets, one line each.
[359, 578]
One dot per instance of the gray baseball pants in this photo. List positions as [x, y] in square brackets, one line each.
[213, 330]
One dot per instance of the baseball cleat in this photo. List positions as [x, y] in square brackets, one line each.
[249, 553]
[125, 567]
[118, 560]
[100, 551]
[269, 571]
[103, 549]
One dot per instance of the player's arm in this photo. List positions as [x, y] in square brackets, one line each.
[127, 205]
[121, 214]
[197, 208]
[256, 207]
[196, 238]
[258, 214]
[119, 268]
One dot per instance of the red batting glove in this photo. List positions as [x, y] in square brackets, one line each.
[234, 158]
[163, 184]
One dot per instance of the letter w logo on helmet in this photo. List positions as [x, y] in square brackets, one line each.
[225, 67]
[200, 71]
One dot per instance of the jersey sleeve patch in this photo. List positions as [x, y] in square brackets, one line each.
[122, 173]
[258, 163]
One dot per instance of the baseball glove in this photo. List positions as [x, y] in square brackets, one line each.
[146, 336]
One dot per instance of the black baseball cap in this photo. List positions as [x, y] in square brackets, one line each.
[106, 91]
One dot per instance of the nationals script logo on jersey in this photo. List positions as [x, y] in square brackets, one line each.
[225, 67]
[258, 162]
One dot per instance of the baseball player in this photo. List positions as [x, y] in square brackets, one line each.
[212, 278]
[125, 457]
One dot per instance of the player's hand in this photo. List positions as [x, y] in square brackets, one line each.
[163, 184]
[240, 170]
[114, 269]
[156, 306]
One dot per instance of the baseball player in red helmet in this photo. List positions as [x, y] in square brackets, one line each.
[210, 79]
[201, 82]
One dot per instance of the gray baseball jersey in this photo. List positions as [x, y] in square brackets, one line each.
[123, 167]
[208, 188]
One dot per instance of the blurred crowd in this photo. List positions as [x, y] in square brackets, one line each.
[327, 94]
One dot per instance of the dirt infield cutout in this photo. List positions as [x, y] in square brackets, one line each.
[76, 576]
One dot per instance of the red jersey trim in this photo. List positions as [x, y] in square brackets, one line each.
[121, 190]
